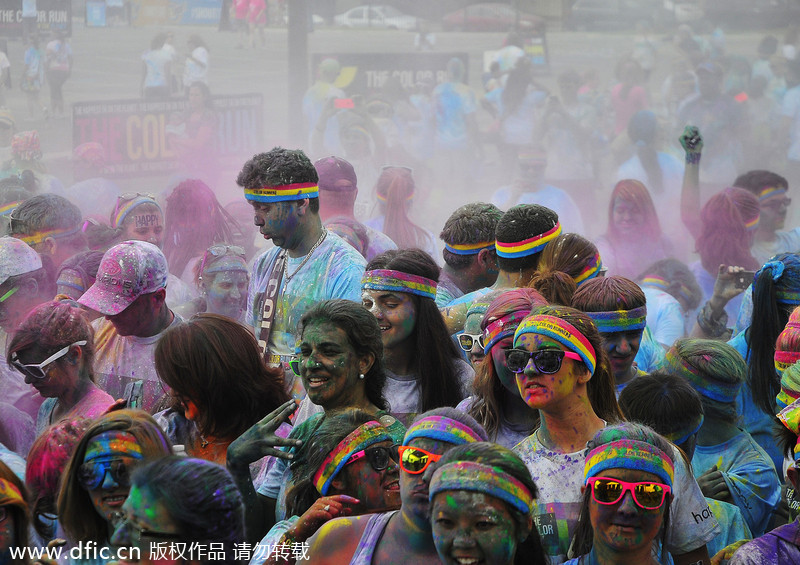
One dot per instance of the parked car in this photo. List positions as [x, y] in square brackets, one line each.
[387, 17]
[490, 16]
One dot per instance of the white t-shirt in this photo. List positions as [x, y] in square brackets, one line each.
[195, 71]
[559, 477]
[664, 316]
[791, 109]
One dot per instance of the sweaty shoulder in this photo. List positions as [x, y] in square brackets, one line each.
[336, 541]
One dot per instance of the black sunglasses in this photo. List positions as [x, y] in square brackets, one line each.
[379, 457]
[547, 361]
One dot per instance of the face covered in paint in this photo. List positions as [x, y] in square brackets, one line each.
[628, 218]
[549, 392]
[278, 221]
[378, 490]
[8, 530]
[498, 353]
[622, 348]
[330, 366]
[145, 522]
[105, 473]
[473, 327]
[396, 313]
[144, 223]
[413, 488]
[624, 526]
[474, 528]
[225, 286]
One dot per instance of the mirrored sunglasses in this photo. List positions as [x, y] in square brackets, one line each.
[91, 475]
[467, 341]
[647, 495]
[415, 460]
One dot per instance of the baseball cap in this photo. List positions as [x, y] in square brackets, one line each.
[127, 271]
[333, 169]
[17, 258]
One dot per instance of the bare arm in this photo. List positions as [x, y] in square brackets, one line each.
[690, 193]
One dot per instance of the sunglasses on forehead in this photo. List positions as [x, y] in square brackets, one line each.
[221, 250]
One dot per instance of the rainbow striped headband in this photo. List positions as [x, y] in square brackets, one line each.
[112, 442]
[787, 296]
[528, 246]
[563, 332]
[360, 438]
[398, 281]
[477, 477]
[713, 389]
[502, 328]
[468, 248]
[125, 207]
[39, 236]
[752, 224]
[790, 387]
[8, 208]
[770, 192]
[620, 320]
[785, 359]
[71, 279]
[281, 193]
[790, 417]
[629, 454]
[441, 428]
[10, 494]
[786, 397]
[654, 281]
[590, 271]
[682, 434]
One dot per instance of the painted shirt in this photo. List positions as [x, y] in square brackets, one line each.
[548, 196]
[749, 475]
[559, 477]
[781, 545]
[122, 360]
[664, 316]
[731, 521]
[790, 109]
[755, 421]
[454, 101]
[651, 355]
[91, 406]
[446, 291]
[333, 271]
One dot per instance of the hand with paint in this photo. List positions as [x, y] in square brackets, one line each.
[713, 485]
[261, 441]
[692, 142]
[324, 509]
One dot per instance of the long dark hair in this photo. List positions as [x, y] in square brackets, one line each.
[435, 356]
[770, 315]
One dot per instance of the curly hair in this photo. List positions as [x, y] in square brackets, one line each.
[519, 223]
[472, 223]
[278, 167]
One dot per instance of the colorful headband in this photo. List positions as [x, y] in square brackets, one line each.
[281, 193]
[71, 279]
[790, 387]
[10, 207]
[563, 332]
[112, 442]
[590, 271]
[682, 434]
[39, 236]
[713, 389]
[125, 207]
[477, 477]
[10, 494]
[752, 224]
[441, 428]
[398, 281]
[790, 417]
[785, 359]
[620, 320]
[770, 192]
[502, 328]
[468, 248]
[629, 454]
[360, 438]
[528, 246]
[654, 281]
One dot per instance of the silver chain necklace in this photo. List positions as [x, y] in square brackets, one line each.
[307, 257]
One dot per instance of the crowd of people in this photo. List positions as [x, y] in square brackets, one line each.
[339, 387]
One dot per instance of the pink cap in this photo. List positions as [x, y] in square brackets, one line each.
[127, 271]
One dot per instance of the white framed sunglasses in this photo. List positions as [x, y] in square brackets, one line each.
[38, 371]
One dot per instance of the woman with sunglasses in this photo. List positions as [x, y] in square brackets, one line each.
[340, 361]
[349, 468]
[196, 360]
[424, 368]
[496, 403]
[54, 349]
[404, 536]
[729, 464]
[481, 498]
[563, 372]
[96, 481]
[13, 517]
[221, 277]
[627, 493]
[471, 339]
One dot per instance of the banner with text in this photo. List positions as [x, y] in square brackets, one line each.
[134, 133]
[52, 15]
